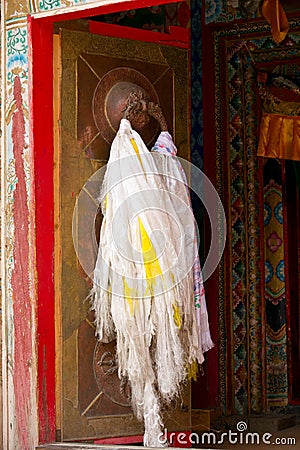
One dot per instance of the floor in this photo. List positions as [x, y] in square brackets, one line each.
[259, 435]
[280, 440]
[259, 438]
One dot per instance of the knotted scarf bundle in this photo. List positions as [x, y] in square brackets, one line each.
[143, 285]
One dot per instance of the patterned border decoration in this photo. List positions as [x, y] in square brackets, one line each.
[17, 65]
[17, 60]
[49, 6]
[220, 188]
[238, 213]
[277, 375]
[253, 253]
[237, 124]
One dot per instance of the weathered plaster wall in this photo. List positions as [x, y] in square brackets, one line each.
[20, 419]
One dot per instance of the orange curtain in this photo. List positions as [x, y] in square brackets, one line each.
[279, 137]
[280, 129]
[274, 13]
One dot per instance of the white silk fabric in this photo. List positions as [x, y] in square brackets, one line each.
[143, 293]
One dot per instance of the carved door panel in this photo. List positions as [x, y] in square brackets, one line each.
[94, 403]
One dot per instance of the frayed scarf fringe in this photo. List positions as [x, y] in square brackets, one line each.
[157, 334]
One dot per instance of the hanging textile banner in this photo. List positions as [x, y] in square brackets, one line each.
[279, 137]
[143, 285]
[275, 286]
[274, 13]
[280, 123]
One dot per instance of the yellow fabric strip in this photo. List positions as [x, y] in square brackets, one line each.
[279, 137]
[106, 202]
[135, 147]
[193, 371]
[151, 263]
[128, 294]
[176, 316]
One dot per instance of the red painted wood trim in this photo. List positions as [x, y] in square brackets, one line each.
[42, 142]
[177, 36]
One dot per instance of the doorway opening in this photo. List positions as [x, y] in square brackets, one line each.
[176, 39]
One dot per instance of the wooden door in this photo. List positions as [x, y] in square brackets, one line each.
[92, 401]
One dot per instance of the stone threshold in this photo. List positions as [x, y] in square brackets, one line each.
[79, 446]
[69, 445]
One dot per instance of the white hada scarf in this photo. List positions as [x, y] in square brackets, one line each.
[143, 285]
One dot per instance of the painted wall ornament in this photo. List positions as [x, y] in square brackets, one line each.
[51, 5]
[46, 5]
[213, 9]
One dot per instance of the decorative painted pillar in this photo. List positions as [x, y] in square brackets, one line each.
[20, 420]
